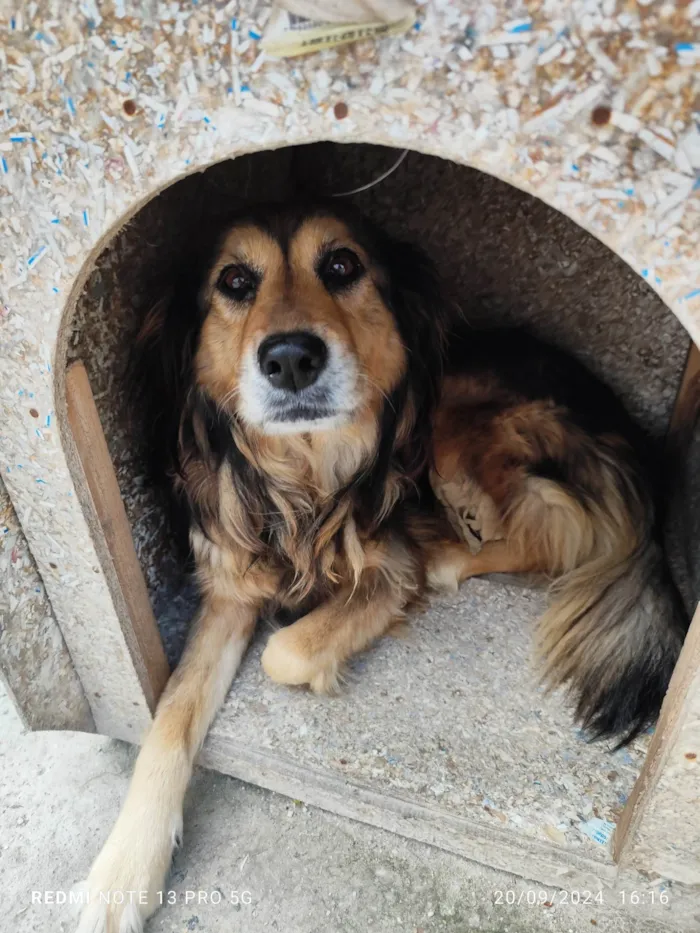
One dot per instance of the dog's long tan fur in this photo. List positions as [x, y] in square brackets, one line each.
[327, 511]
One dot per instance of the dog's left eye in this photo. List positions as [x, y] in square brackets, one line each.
[340, 268]
[237, 283]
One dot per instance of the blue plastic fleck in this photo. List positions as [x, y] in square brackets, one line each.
[37, 255]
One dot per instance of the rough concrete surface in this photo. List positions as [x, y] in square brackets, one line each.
[35, 665]
[449, 716]
[303, 870]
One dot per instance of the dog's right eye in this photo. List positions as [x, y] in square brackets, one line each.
[237, 283]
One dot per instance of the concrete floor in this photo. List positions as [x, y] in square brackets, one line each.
[295, 869]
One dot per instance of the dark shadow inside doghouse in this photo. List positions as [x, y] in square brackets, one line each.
[505, 256]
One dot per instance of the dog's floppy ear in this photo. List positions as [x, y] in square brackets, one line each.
[414, 295]
[160, 366]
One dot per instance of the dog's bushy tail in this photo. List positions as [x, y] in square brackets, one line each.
[615, 625]
[614, 632]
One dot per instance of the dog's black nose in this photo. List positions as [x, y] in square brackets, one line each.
[292, 361]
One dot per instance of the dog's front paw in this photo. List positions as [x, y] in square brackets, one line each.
[100, 914]
[285, 661]
[442, 577]
[126, 882]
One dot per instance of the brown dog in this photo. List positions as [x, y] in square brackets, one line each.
[293, 385]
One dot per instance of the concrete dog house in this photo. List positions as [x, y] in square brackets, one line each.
[553, 175]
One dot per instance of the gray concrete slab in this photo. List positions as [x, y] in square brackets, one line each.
[293, 868]
[444, 735]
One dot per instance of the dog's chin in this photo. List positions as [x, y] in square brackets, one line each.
[303, 420]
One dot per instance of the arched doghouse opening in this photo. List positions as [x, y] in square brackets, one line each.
[445, 735]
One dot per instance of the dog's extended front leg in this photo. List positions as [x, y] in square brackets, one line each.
[125, 882]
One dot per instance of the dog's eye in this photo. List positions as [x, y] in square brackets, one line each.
[237, 283]
[340, 268]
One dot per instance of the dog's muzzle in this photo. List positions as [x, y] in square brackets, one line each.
[298, 381]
